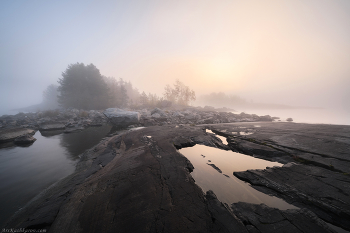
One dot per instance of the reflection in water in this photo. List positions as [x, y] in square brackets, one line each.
[226, 186]
[76, 143]
[223, 139]
[245, 133]
[26, 171]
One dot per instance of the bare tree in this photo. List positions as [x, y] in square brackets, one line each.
[180, 93]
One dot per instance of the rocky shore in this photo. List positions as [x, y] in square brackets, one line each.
[138, 176]
[136, 181]
[70, 120]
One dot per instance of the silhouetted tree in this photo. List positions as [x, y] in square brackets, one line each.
[50, 96]
[133, 93]
[83, 87]
[118, 92]
[153, 100]
[143, 99]
[179, 94]
[123, 96]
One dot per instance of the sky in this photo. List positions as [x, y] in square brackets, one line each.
[292, 52]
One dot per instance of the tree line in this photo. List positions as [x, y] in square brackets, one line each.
[83, 87]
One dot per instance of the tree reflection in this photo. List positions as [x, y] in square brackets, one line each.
[77, 142]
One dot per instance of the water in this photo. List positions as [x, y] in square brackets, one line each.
[223, 139]
[225, 185]
[313, 116]
[26, 171]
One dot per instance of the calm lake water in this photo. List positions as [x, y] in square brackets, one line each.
[26, 171]
[312, 116]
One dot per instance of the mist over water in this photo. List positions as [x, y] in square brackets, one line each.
[311, 115]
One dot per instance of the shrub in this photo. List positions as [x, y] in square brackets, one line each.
[83, 114]
[50, 113]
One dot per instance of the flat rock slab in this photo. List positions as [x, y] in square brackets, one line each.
[52, 126]
[331, 141]
[264, 219]
[323, 191]
[8, 135]
[318, 156]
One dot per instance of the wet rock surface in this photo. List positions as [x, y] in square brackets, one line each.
[264, 219]
[136, 181]
[316, 170]
[324, 192]
[136, 177]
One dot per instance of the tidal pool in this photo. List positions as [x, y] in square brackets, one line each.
[225, 185]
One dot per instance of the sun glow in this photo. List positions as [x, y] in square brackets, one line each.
[221, 67]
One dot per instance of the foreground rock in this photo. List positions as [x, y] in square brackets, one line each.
[317, 164]
[324, 192]
[128, 183]
[138, 182]
[121, 118]
[261, 218]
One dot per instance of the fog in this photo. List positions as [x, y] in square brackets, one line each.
[294, 53]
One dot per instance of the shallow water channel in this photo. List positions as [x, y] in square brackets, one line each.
[26, 171]
[225, 185]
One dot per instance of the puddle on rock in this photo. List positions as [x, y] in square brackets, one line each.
[245, 133]
[136, 128]
[223, 139]
[225, 185]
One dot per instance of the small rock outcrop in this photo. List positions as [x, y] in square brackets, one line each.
[8, 135]
[121, 118]
[264, 219]
[51, 126]
[25, 140]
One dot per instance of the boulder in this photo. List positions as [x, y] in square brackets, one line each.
[24, 140]
[177, 114]
[156, 115]
[51, 126]
[121, 118]
[289, 119]
[7, 135]
[159, 111]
